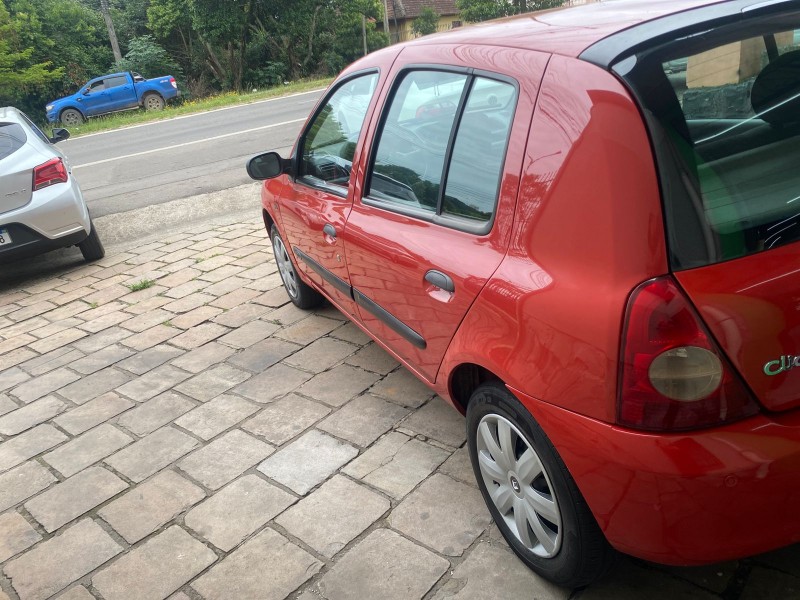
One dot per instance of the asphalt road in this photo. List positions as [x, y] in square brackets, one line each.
[149, 164]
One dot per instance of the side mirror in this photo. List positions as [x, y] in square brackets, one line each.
[266, 166]
[59, 135]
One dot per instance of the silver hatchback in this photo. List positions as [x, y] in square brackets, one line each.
[41, 205]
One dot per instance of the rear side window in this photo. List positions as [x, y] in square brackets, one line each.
[12, 138]
[113, 82]
[726, 114]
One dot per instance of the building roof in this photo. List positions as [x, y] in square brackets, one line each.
[410, 9]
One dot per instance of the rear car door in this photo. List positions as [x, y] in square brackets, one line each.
[120, 92]
[432, 220]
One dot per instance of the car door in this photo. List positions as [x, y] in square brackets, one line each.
[432, 220]
[315, 206]
[120, 93]
[93, 98]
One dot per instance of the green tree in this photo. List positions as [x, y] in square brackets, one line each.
[426, 23]
[149, 59]
[474, 11]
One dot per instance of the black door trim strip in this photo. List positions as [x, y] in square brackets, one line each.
[390, 320]
[337, 282]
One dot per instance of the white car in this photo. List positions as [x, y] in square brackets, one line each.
[41, 205]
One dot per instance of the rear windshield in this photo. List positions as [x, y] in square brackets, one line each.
[724, 111]
[12, 138]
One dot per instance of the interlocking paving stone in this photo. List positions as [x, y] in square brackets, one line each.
[203, 357]
[92, 413]
[58, 340]
[240, 315]
[194, 317]
[284, 419]
[198, 335]
[439, 421]
[430, 516]
[396, 464]
[349, 332]
[307, 461]
[142, 362]
[373, 358]
[383, 565]
[286, 314]
[212, 383]
[16, 535]
[363, 419]
[27, 445]
[225, 458]
[493, 572]
[12, 359]
[320, 355]
[102, 339]
[87, 449]
[147, 320]
[101, 359]
[264, 354]
[59, 561]
[97, 384]
[153, 383]
[23, 482]
[151, 337]
[267, 567]
[44, 384]
[459, 466]
[150, 505]
[71, 498]
[155, 569]
[156, 412]
[338, 385]
[31, 415]
[327, 521]
[6, 404]
[11, 377]
[216, 416]
[273, 383]
[237, 510]
[402, 387]
[152, 453]
[307, 330]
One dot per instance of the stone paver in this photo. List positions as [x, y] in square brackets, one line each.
[57, 562]
[402, 387]
[155, 569]
[338, 385]
[153, 383]
[363, 419]
[92, 386]
[142, 362]
[273, 383]
[152, 453]
[214, 417]
[156, 412]
[213, 382]
[264, 354]
[16, 535]
[268, 567]
[225, 458]
[201, 358]
[320, 355]
[157, 501]
[284, 419]
[23, 482]
[87, 449]
[92, 413]
[256, 502]
[439, 421]
[326, 521]
[31, 415]
[373, 358]
[26, 445]
[101, 359]
[41, 386]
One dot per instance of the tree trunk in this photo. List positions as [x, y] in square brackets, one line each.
[364, 32]
[112, 35]
[386, 20]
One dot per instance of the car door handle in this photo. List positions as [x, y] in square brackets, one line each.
[440, 280]
[329, 230]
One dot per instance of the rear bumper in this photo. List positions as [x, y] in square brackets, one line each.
[27, 243]
[684, 499]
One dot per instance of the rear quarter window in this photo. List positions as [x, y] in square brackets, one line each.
[12, 138]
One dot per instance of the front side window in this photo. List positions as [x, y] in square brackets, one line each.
[330, 141]
[442, 145]
[728, 111]
[97, 86]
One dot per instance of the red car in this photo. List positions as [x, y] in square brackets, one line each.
[590, 253]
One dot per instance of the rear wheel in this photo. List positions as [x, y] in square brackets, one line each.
[529, 492]
[153, 102]
[302, 295]
[92, 247]
[71, 117]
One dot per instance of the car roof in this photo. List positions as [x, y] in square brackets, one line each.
[10, 113]
[567, 30]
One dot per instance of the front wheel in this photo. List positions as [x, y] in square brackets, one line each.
[92, 247]
[71, 117]
[153, 102]
[302, 295]
[529, 492]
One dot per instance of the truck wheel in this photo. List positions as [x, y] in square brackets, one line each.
[71, 117]
[153, 102]
[92, 247]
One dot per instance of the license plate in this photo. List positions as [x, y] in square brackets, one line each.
[4, 237]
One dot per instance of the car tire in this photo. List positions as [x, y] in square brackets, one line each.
[301, 294]
[92, 247]
[153, 102]
[71, 117]
[530, 494]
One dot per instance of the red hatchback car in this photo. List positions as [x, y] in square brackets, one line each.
[582, 228]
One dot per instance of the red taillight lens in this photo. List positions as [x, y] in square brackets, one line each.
[173, 82]
[673, 375]
[51, 172]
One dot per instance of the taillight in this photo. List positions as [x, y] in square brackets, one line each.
[49, 173]
[173, 82]
[673, 375]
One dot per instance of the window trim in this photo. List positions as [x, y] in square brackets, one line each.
[296, 158]
[450, 221]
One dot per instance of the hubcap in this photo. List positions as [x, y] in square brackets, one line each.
[518, 485]
[285, 266]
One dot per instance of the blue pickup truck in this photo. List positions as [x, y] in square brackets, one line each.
[111, 93]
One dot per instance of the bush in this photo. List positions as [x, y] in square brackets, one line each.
[149, 59]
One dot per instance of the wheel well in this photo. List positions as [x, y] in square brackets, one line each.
[268, 222]
[66, 108]
[465, 379]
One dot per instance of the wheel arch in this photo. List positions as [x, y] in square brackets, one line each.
[152, 93]
[70, 107]
[464, 379]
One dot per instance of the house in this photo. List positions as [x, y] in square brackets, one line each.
[401, 15]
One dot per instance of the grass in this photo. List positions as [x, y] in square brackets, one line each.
[188, 107]
[141, 285]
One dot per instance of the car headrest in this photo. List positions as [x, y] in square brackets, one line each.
[776, 91]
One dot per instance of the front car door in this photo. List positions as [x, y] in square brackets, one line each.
[432, 220]
[93, 99]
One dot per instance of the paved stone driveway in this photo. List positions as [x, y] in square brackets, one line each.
[202, 438]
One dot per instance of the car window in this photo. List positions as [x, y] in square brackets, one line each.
[435, 116]
[12, 138]
[730, 116]
[39, 133]
[96, 86]
[330, 140]
[112, 82]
